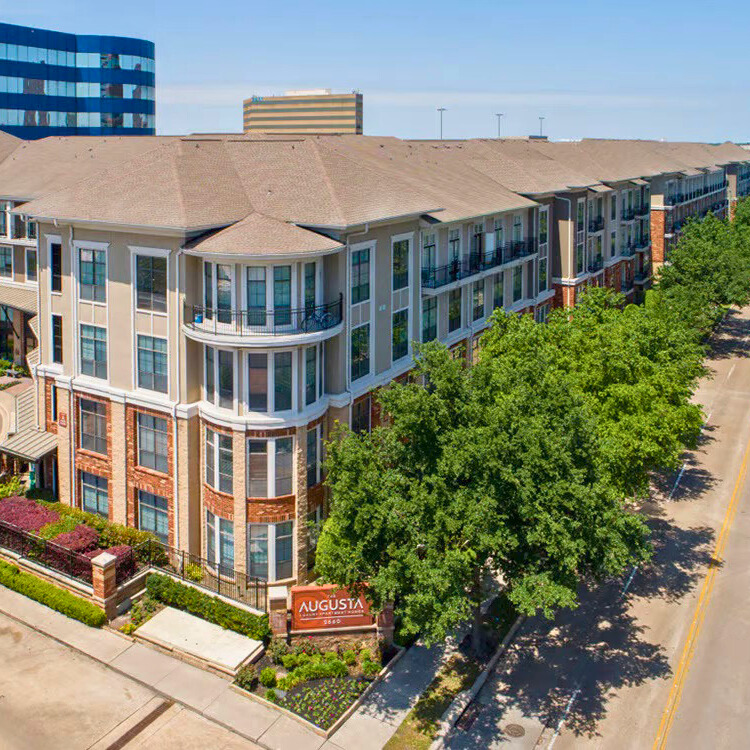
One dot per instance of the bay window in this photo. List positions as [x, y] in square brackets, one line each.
[257, 378]
[282, 377]
[218, 380]
[282, 295]
[314, 455]
[219, 542]
[311, 375]
[270, 467]
[309, 289]
[218, 461]
[270, 550]
[218, 291]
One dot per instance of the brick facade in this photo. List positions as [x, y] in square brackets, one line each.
[145, 478]
[658, 228]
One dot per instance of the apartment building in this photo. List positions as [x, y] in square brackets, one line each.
[313, 112]
[209, 307]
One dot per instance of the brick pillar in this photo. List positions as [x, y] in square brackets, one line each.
[277, 610]
[239, 454]
[301, 529]
[118, 440]
[103, 575]
[658, 249]
[65, 470]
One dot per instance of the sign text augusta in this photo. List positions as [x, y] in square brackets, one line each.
[328, 608]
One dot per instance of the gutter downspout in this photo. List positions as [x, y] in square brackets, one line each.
[175, 451]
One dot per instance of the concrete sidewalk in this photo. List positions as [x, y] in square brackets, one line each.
[369, 728]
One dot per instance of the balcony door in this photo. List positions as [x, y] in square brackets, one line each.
[218, 292]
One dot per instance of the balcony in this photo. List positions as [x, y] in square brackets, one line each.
[596, 224]
[287, 321]
[596, 264]
[434, 277]
[643, 211]
[628, 214]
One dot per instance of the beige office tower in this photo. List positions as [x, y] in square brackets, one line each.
[313, 112]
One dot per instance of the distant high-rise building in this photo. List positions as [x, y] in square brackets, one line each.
[52, 83]
[314, 112]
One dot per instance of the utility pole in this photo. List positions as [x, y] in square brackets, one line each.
[441, 110]
[499, 116]
[541, 126]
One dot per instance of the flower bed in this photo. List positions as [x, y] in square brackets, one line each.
[318, 687]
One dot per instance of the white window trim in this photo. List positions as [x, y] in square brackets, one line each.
[318, 453]
[218, 563]
[271, 491]
[408, 337]
[9, 279]
[217, 482]
[371, 246]
[214, 290]
[136, 385]
[79, 361]
[297, 290]
[369, 372]
[52, 239]
[271, 549]
[303, 376]
[28, 250]
[215, 398]
[79, 245]
[154, 252]
[408, 237]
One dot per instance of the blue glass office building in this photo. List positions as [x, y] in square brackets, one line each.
[65, 84]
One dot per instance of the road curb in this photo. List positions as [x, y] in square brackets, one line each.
[465, 698]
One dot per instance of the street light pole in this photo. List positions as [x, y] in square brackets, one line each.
[541, 126]
[441, 110]
[499, 116]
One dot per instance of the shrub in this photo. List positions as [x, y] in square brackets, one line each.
[316, 669]
[350, 658]
[128, 628]
[303, 659]
[306, 647]
[209, 608]
[365, 654]
[193, 572]
[11, 487]
[80, 539]
[62, 526]
[289, 661]
[277, 650]
[271, 695]
[143, 609]
[51, 596]
[268, 677]
[26, 514]
[330, 656]
[370, 668]
[247, 677]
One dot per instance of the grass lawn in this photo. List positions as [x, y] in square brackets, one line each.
[418, 729]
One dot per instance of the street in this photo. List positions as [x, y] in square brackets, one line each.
[660, 658]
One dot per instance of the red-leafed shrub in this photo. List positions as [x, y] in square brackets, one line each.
[125, 562]
[81, 539]
[26, 514]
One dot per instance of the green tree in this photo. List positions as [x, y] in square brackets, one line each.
[487, 472]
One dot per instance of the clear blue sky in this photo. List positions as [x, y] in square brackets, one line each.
[623, 69]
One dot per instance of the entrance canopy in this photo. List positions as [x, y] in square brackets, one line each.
[29, 445]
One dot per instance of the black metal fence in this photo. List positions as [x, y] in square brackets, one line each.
[218, 579]
[45, 553]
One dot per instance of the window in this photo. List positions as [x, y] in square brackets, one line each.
[152, 363]
[284, 473]
[543, 227]
[53, 405]
[429, 319]
[282, 295]
[56, 263]
[94, 494]
[270, 550]
[151, 283]
[517, 228]
[93, 266]
[282, 381]
[219, 471]
[314, 456]
[6, 262]
[219, 377]
[454, 310]
[256, 296]
[613, 244]
[580, 258]
[497, 291]
[429, 251]
[94, 351]
[217, 290]
[499, 234]
[153, 515]
[517, 283]
[257, 468]
[477, 234]
[454, 243]
[309, 286]
[400, 264]
[153, 442]
[57, 340]
[360, 276]
[361, 415]
[311, 367]
[542, 274]
[257, 377]
[360, 351]
[4, 208]
[580, 215]
[400, 335]
[219, 541]
[30, 265]
[477, 303]
[93, 426]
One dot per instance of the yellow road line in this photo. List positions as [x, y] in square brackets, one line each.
[678, 683]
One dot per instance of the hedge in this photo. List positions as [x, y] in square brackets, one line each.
[209, 608]
[51, 596]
